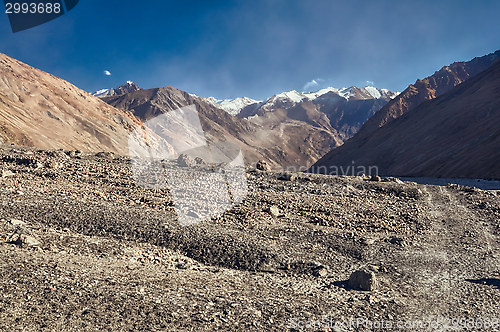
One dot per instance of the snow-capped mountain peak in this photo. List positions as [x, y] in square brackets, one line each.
[368, 92]
[128, 87]
[292, 95]
[319, 93]
[291, 98]
[374, 92]
[232, 106]
[284, 100]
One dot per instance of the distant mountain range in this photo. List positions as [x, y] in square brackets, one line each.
[288, 129]
[289, 145]
[443, 126]
[342, 111]
[402, 134]
[290, 98]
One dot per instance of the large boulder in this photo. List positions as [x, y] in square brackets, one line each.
[363, 280]
[185, 160]
[263, 166]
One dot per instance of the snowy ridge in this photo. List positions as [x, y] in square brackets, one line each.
[283, 100]
[129, 86]
[374, 92]
[389, 93]
[100, 92]
[291, 98]
[314, 95]
[368, 92]
[232, 106]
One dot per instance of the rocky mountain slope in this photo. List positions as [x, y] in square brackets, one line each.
[39, 109]
[454, 135]
[430, 87]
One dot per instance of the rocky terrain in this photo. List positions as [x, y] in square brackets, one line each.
[454, 135]
[83, 248]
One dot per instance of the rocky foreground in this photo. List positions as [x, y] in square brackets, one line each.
[83, 248]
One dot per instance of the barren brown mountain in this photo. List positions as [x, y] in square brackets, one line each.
[428, 88]
[39, 109]
[454, 135]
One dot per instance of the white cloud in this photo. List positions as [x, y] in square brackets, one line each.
[311, 84]
[369, 83]
[107, 73]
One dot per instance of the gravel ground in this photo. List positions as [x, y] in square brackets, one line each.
[85, 249]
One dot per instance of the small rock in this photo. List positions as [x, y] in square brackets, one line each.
[274, 211]
[58, 154]
[286, 177]
[397, 240]
[23, 240]
[321, 272]
[368, 241]
[392, 179]
[263, 166]
[54, 164]
[105, 154]
[14, 239]
[17, 222]
[375, 178]
[363, 280]
[6, 173]
[74, 153]
[200, 161]
[185, 160]
[29, 240]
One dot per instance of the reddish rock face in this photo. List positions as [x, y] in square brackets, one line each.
[39, 109]
[453, 135]
[428, 88]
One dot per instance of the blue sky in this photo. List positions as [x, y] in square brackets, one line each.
[228, 49]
